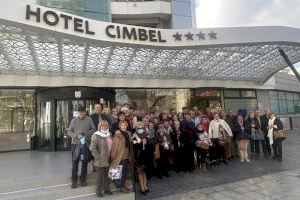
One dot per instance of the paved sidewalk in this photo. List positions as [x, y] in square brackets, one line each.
[31, 175]
[259, 179]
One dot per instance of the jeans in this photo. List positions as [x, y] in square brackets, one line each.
[75, 170]
[255, 146]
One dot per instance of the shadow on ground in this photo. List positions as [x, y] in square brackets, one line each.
[234, 171]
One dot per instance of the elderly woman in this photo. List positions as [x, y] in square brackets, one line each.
[203, 146]
[219, 131]
[275, 124]
[241, 130]
[176, 138]
[121, 152]
[255, 133]
[140, 155]
[164, 142]
[100, 147]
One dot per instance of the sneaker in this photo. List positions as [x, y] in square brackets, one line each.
[247, 160]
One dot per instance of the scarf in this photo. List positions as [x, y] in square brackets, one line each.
[106, 135]
[103, 133]
[270, 131]
[225, 126]
[127, 139]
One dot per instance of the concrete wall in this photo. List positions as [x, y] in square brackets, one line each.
[263, 99]
[287, 82]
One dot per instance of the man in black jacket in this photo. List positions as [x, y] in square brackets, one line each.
[97, 116]
[189, 137]
[263, 124]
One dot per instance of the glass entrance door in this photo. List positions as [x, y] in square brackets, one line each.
[62, 140]
[66, 110]
[44, 125]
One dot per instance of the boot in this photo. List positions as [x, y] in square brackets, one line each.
[74, 183]
[83, 182]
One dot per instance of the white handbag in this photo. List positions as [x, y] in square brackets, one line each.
[115, 173]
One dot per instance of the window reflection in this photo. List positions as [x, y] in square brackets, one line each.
[16, 119]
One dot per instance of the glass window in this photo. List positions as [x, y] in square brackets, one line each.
[282, 106]
[16, 119]
[281, 95]
[274, 105]
[273, 95]
[290, 106]
[236, 104]
[16, 110]
[248, 94]
[297, 106]
[289, 96]
[296, 96]
[207, 93]
[231, 93]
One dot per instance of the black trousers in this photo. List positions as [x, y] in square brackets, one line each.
[218, 151]
[255, 146]
[277, 147]
[75, 170]
[189, 159]
[268, 146]
[163, 163]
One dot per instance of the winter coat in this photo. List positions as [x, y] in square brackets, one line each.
[99, 149]
[242, 134]
[118, 149]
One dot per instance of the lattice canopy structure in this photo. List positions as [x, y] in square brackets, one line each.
[27, 49]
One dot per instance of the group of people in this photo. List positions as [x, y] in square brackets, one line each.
[158, 142]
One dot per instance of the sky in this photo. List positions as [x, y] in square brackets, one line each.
[232, 13]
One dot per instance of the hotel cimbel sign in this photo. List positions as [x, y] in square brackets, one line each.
[52, 18]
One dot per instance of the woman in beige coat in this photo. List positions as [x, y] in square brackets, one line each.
[100, 147]
[121, 153]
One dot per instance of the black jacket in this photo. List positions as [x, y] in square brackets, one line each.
[95, 118]
[239, 134]
[264, 124]
[279, 124]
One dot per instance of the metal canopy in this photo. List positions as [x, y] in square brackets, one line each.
[27, 49]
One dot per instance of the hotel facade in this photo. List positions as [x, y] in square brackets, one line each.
[57, 55]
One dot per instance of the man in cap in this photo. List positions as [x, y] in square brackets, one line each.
[80, 130]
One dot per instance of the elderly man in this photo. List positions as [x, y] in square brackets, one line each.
[80, 130]
[97, 116]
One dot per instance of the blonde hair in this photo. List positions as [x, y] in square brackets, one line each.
[103, 123]
[105, 110]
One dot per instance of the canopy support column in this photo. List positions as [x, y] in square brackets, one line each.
[287, 60]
